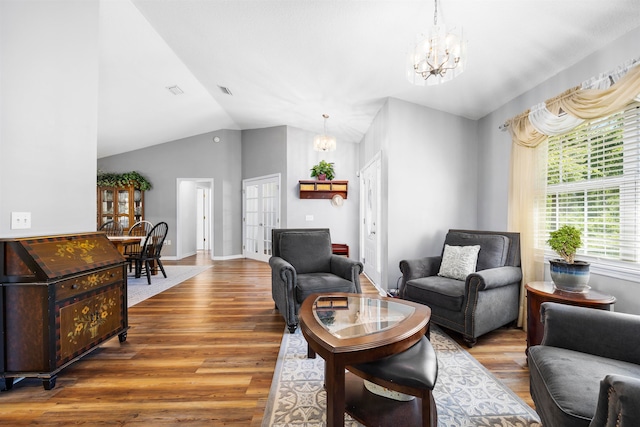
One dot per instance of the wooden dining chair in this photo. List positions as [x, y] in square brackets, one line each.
[112, 228]
[150, 252]
[140, 228]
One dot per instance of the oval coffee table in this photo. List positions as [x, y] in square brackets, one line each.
[347, 329]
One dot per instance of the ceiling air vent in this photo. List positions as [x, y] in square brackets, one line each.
[225, 90]
[175, 90]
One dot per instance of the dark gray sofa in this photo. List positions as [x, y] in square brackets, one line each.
[586, 372]
[487, 299]
[303, 264]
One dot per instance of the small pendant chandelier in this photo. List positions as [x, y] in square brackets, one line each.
[324, 142]
[438, 56]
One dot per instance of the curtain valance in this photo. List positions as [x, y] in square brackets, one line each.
[597, 97]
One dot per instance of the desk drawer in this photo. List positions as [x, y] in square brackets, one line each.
[86, 282]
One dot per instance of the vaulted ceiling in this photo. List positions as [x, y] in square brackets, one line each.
[287, 62]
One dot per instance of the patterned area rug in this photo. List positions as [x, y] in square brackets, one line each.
[138, 290]
[466, 393]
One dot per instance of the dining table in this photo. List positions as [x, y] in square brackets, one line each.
[121, 242]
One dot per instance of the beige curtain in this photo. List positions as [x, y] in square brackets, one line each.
[526, 195]
[528, 164]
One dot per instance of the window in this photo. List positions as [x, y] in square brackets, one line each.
[593, 182]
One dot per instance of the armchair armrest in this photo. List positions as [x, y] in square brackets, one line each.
[283, 269]
[495, 277]
[283, 278]
[421, 267]
[598, 332]
[618, 402]
[416, 268]
[348, 269]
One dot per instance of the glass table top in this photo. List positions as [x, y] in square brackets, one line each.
[356, 316]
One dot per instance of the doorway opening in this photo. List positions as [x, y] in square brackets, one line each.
[194, 219]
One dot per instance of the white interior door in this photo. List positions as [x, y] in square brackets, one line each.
[261, 214]
[370, 212]
[202, 218]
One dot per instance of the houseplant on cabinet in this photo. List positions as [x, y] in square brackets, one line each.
[323, 170]
[568, 274]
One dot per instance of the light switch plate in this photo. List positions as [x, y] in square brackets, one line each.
[20, 220]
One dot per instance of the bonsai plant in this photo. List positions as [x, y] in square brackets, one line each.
[565, 241]
[323, 170]
[567, 273]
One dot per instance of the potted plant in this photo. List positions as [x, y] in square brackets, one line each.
[111, 179]
[323, 170]
[567, 273]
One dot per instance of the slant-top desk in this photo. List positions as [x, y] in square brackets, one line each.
[60, 297]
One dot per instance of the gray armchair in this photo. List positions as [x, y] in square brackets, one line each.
[480, 302]
[586, 371]
[303, 264]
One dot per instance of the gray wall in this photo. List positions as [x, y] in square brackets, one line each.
[429, 173]
[343, 220]
[194, 157]
[495, 150]
[288, 151]
[48, 115]
[264, 152]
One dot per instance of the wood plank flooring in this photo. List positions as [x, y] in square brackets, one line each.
[200, 353]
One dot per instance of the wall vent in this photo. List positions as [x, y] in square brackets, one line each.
[175, 90]
[225, 90]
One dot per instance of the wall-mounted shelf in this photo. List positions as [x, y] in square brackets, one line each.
[323, 189]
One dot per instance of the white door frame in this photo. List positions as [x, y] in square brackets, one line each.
[179, 216]
[261, 255]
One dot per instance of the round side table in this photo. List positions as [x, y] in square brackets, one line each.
[539, 292]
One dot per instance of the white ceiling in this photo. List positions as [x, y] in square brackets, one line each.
[289, 61]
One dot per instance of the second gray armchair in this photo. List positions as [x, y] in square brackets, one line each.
[303, 264]
[474, 298]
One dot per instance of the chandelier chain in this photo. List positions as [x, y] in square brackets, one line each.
[435, 13]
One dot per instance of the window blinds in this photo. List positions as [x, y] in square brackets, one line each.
[593, 182]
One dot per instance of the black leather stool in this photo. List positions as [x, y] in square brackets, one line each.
[413, 372]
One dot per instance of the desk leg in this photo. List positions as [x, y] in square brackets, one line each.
[334, 382]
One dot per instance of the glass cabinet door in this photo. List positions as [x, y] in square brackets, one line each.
[123, 207]
[138, 208]
[107, 201]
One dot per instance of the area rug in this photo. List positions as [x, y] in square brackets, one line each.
[466, 393]
[139, 290]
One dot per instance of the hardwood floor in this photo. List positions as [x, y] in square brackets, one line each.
[200, 353]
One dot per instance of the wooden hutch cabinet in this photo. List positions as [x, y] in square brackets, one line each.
[60, 296]
[122, 204]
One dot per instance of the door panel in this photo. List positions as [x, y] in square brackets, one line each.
[370, 221]
[261, 213]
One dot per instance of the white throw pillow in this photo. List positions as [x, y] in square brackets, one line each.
[459, 261]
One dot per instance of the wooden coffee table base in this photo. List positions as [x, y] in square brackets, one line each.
[373, 410]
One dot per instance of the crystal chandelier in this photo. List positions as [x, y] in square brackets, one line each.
[324, 142]
[438, 56]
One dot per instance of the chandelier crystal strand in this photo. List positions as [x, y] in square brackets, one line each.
[438, 56]
[324, 142]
